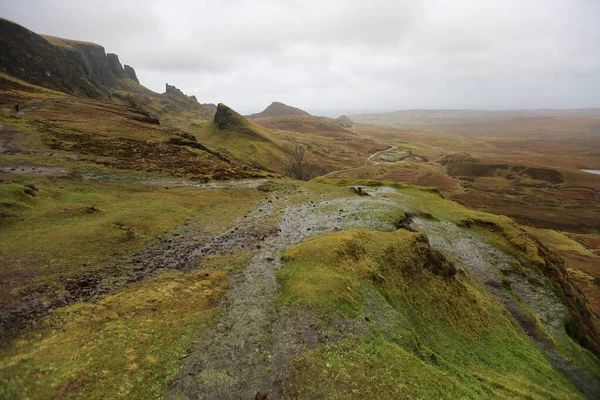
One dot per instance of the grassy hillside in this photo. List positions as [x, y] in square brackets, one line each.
[417, 328]
[355, 294]
[103, 135]
[233, 135]
[149, 250]
[277, 109]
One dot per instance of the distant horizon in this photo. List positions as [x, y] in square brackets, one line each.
[349, 57]
[334, 113]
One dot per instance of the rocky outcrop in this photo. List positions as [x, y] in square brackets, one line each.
[130, 73]
[90, 58]
[182, 102]
[32, 58]
[172, 90]
[277, 109]
[70, 66]
[115, 65]
[226, 118]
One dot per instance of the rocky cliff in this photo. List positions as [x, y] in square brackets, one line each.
[70, 66]
[130, 73]
[180, 101]
[30, 57]
[115, 65]
[227, 118]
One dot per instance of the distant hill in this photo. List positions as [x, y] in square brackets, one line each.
[344, 121]
[277, 109]
[301, 124]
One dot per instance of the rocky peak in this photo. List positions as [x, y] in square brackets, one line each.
[174, 91]
[226, 118]
[115, 65]
[130, 73]
[38, 60]
[71, 66]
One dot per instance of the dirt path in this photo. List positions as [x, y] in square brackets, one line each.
[255, 340]
[369, 159]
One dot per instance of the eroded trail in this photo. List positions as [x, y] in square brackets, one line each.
[255, 341]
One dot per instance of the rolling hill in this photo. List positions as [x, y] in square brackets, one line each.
[277, 109]
[151, 248]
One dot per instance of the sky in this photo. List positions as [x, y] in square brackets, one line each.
[344, 57]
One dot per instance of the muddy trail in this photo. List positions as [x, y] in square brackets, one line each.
[184, 249]
[255, 341]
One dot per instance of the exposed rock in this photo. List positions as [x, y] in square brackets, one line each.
[115, 65]
[70, 66]
[226, 118]
[130, 73]
[91, 60]
[172, 90]
[32, 58]
[359, 191]
[277, 109]
[180, 101]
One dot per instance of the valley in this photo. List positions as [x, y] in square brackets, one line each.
[153, 246]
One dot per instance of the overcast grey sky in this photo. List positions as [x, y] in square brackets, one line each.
[346, 56]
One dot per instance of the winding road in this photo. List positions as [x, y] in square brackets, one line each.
[369, 159]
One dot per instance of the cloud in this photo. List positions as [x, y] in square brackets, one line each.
[345, 56]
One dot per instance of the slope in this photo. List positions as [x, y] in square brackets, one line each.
[84, 69]
[235, 136]
[54, 129]
[277, 109]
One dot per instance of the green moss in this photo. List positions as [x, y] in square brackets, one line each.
[417, 318]
[73, 227]
[248, 142]
[127, 345]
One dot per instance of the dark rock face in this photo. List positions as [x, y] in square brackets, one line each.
[74, 67]
[226, 118]
[92, 58]
[179, 101]
[174, 91]
[28, 56]
[130, 73]
[115, 65]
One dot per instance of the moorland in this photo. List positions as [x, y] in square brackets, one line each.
[152, 246]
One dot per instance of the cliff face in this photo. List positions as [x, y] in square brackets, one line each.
[226, 118]
[85, 69]
[115, 65]
[179, 101]
[70, 66]
[92, 60]
[30, 57]
[130, 73]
